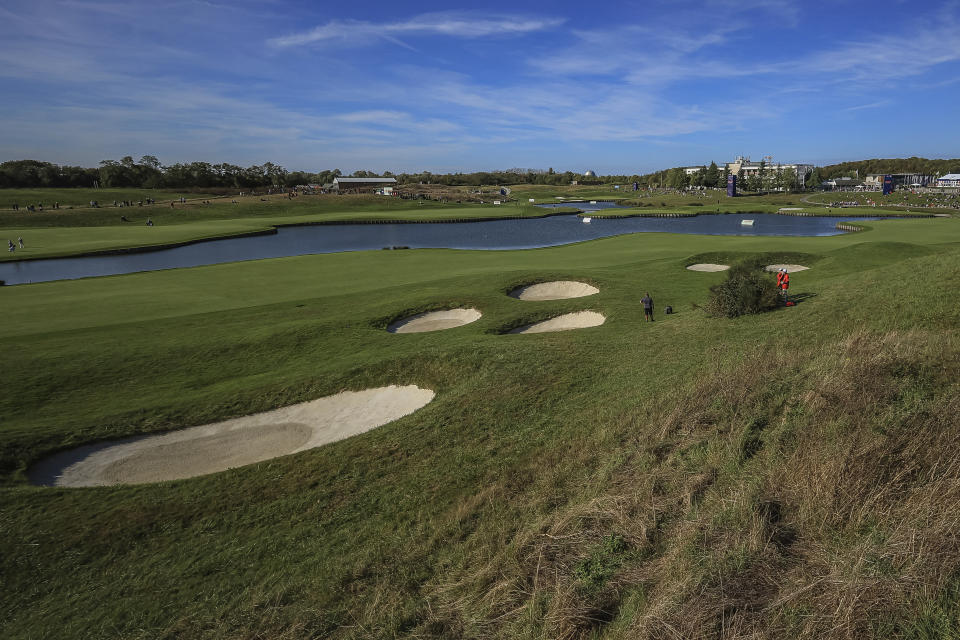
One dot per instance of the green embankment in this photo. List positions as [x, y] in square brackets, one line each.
[81, 198]
[793, 474]
[71, 232]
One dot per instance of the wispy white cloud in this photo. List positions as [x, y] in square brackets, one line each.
[871, 105]
[117, 78]
[451, 24]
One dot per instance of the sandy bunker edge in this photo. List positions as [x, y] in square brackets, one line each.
[565, 322]
[232, 443]
[708, 267]
[435, 320]
[555, 290]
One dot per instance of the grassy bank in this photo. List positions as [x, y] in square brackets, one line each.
[71, 232]
[251, 207]
[785, 475]
[173, 226]
[81, 198]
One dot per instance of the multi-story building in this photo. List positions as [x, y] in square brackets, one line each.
[769, 167]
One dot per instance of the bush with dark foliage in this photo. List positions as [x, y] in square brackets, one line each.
[747, 289]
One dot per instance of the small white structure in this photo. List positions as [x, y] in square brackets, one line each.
[532, 199]
[949, 180]
[587, 220]
[496, 202]
[747, 223]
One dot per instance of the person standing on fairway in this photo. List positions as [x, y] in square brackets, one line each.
[647, 307]
[785, 284]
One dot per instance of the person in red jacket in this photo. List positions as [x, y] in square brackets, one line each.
[785, 283]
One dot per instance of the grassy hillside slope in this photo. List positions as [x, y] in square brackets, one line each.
[793, 474]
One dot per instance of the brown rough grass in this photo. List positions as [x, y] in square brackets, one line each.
[798, 495]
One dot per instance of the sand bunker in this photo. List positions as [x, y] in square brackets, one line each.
[435, 321]
[234, 443]
[578, 320]
[789, 267]
[558, 290]
[706, 266]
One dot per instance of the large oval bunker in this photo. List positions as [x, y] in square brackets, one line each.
[556, 290]
[233, 443]
[435, 321]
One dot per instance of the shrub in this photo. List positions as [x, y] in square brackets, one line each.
[747, 289]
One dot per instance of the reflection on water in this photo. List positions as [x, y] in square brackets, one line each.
[500, 234]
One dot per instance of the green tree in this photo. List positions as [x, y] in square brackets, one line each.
[677, 178]
[116, 174]
[790, 179]
[722, 178]
[778, 179]
[711, 174]
[815, 178]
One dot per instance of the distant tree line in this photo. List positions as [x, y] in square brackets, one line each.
[148, 173]
[510, 176]
[923, 166]
[32, 174]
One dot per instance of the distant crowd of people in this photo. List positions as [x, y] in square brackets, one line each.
[33, 208]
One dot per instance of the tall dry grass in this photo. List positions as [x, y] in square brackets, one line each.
[798, 495]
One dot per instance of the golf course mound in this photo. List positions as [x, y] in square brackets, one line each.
[557, 290]
[789, 267]
[706, 266]
[435, 321]
[566, 322]
[234, 443]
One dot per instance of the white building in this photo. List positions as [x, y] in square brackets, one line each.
[751, 168]
[949, 180]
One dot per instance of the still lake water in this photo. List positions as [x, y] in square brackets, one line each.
[500, 234]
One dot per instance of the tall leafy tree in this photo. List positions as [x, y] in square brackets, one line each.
[710, 176]
[789, 177]
[813, 182]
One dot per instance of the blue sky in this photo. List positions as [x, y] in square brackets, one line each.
[617, 87]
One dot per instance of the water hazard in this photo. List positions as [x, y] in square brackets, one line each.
[492, 235]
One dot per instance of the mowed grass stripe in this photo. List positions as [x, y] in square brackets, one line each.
[117, 299]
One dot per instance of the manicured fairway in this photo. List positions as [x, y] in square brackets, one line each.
[615, 481]
[80, 233]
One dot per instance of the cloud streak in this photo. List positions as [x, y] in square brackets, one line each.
[450, 24]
